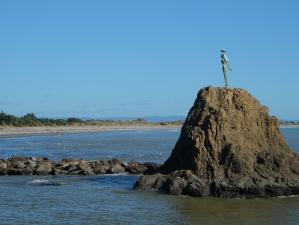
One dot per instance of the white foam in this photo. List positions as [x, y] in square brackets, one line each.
[115, 174]
[174, 130]
[38, 181]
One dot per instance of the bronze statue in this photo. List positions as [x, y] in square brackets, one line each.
[225, 65]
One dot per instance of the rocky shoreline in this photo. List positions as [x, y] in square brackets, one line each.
[28, 166]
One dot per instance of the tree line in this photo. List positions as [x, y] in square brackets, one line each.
[30, 120]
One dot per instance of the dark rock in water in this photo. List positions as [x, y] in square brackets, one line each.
[134, 167]
[151, 167]
[42, 166]
[27, 171]
[14, 171]
[155, 181]
[229, 147]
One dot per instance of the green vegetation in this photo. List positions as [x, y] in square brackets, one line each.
[30, 120]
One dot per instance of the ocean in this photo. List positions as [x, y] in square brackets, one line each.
[110, 199]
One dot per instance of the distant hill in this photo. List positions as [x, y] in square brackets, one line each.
[154, 119]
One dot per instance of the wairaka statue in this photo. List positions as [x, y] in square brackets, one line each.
[225, 66]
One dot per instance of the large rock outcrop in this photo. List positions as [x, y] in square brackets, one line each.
[229, 147]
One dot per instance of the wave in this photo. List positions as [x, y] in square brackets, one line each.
[43, 182]
[115, 174]
[174, 130]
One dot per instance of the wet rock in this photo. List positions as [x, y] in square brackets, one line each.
[149, 182]
[175, 185]
[151, 167]
[232, 147]
[197, 189]
[134, 167]
[26, 171]
[14, 171]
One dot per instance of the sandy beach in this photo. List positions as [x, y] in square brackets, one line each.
[19, 131]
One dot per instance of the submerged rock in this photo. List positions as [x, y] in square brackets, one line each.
[229, 147]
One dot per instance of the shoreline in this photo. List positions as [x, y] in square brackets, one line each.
[52, 130]
[289, 126]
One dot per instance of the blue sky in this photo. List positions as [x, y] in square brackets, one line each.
[143, 58]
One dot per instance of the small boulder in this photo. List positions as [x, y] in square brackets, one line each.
[31, 164]
[151, 167]
[26, 171]
[149, 182]
[85, 168]
[100, 167]
[175, 185]
[116, 166]
[44, 168]
[134, 167]
[3, 167]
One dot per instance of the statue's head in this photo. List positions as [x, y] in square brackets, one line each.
[223, 51]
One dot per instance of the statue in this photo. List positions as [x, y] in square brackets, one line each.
[225, 66]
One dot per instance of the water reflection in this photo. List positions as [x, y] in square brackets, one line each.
[240, 211]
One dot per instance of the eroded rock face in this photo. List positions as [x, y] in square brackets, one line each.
[229, 147]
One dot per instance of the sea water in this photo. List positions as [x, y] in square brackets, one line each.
[110, 199]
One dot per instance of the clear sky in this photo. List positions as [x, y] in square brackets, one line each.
[143, 58]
